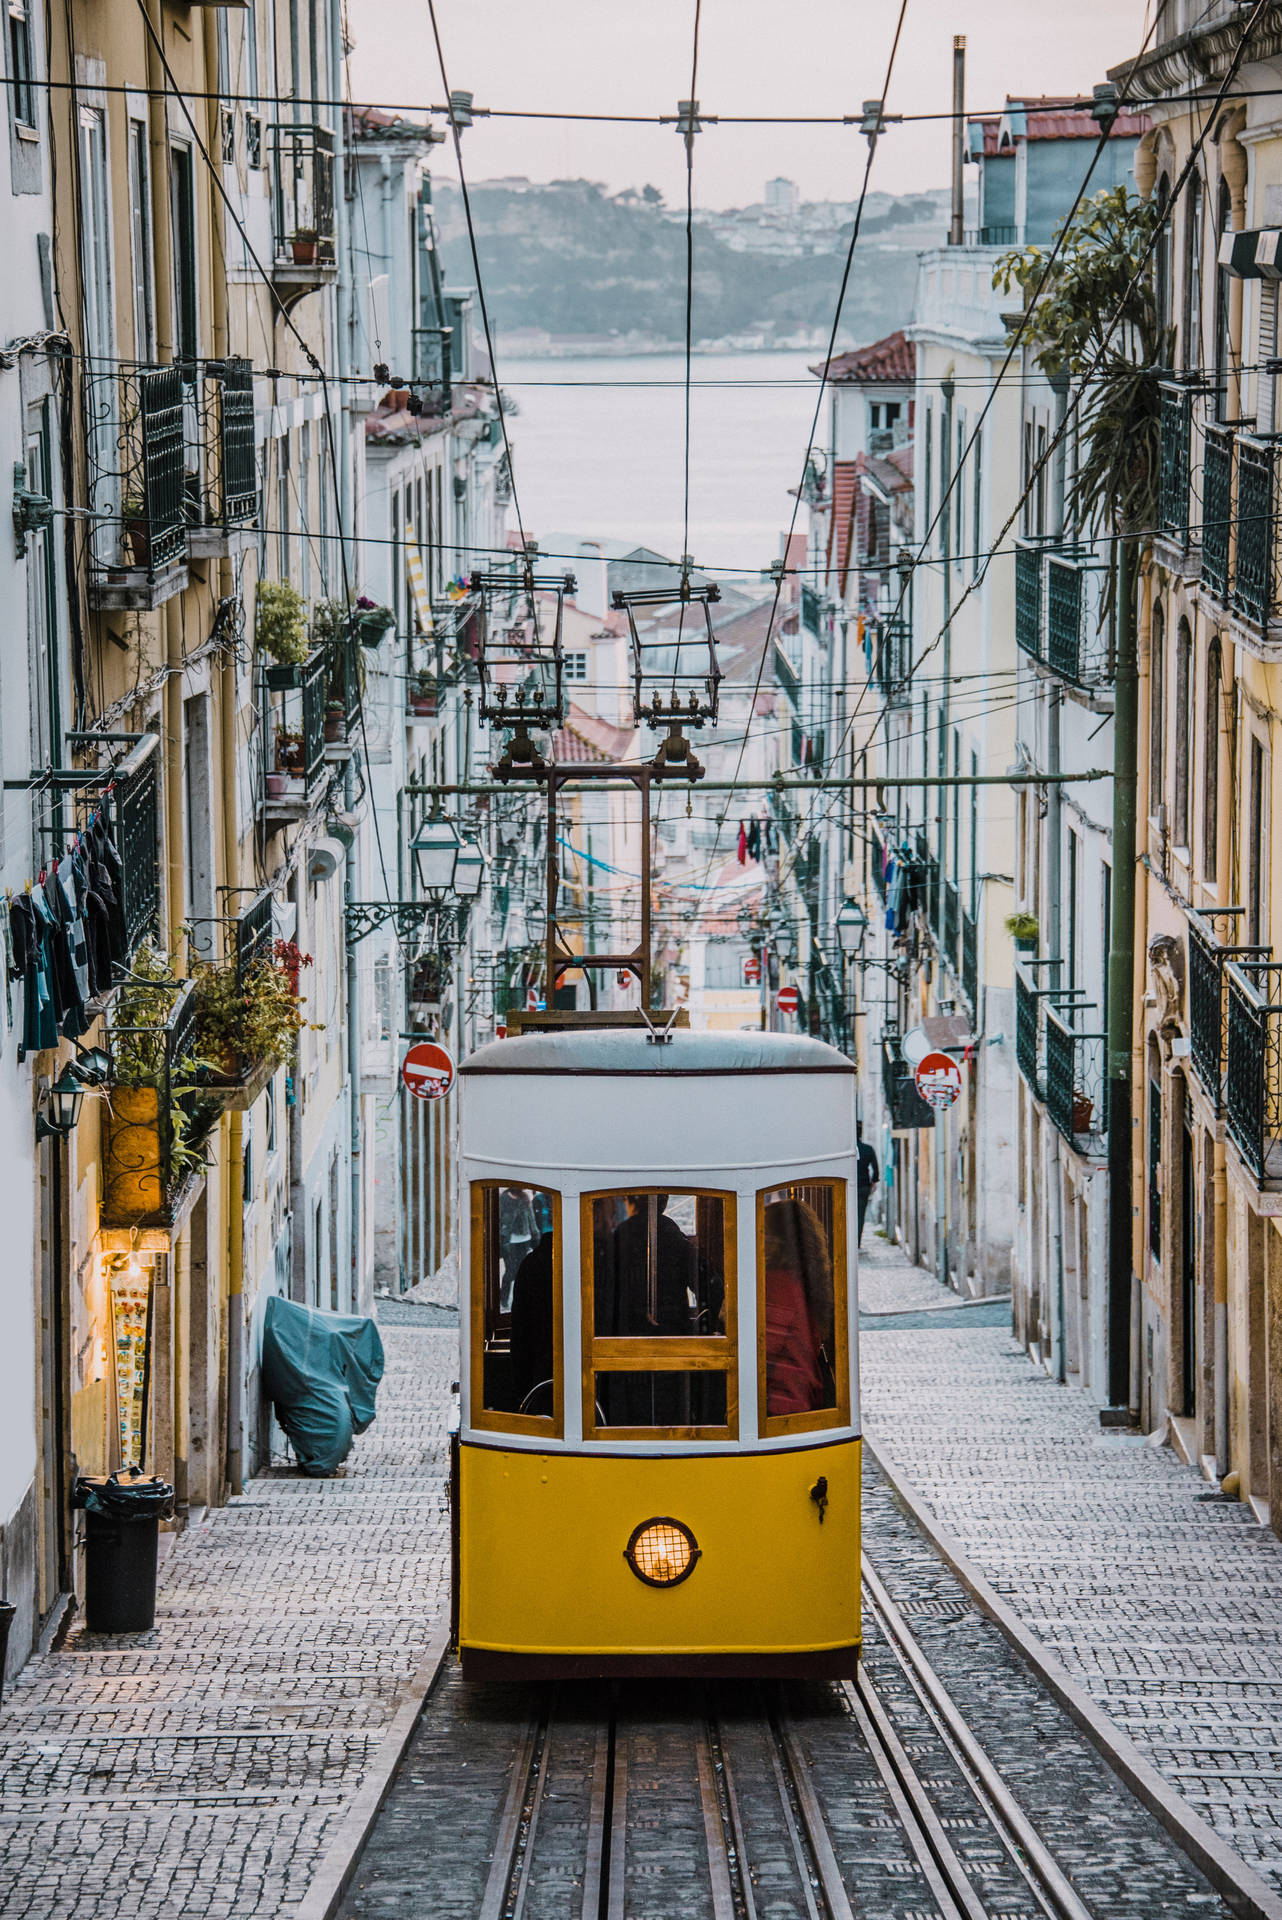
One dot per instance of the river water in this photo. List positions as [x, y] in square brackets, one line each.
[604, 461]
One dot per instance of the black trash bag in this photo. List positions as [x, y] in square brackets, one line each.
[321, 1372]
[128, 1494]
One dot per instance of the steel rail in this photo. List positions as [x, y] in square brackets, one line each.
[505, 1889]
[1017, 1831]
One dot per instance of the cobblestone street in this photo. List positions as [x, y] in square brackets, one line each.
[1162, 1600]
[199, 1769]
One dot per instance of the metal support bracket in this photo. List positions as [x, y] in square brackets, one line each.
[363, 917]
[31, 511]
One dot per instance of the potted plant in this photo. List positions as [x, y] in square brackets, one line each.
[1022, 928]
[280, 629]
[245, 1018]
[133, 513]
[147, 1152]
[303, 242]
[289, 751]
[335, 714]
[423, 692]
[1083, 1111]
[371, 621]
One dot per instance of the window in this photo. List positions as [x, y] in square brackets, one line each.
[1183, 732]
[929, 486]
[977, 514]
[658, 1314]
[1211, 765]
[516, 1308]
[140, 241]
[182, 204]
[803, 1376]
[1193, 276]
[20, 64]
[1154, 1159]
[1257, 918]
[1223, 286]
[1156, 715]
[959, 496]
[576, 666]
[1162, 255]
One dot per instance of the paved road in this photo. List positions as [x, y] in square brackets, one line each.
[198, 1769]
[1166, 1604]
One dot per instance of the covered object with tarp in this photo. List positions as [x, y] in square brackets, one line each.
[321, 1372]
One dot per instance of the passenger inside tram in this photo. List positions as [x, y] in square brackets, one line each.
[799, 1309]
[658, 1274]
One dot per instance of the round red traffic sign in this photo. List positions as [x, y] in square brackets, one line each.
[428, 1071]
[938, 1080]
[752, 972]
[787, 999]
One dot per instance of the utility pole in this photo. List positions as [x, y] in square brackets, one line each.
[955, 227]
[1121, 984]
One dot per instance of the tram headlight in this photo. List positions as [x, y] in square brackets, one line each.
[662, 1552]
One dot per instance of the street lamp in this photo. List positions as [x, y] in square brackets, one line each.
[65, 1099]
[852, 926]
[469, 870]
[436, 847]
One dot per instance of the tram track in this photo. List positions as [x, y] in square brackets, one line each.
[732, 1781]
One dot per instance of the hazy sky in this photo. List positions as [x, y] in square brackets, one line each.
[755, 57]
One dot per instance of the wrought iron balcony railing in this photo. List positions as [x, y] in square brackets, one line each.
[1175, 470]
[253, 933]
[153, 1118]
[433, 369]
[893, 663]
[970, 962]
[950, 931]
[135, 463]
[303, 198]
[1029, 1054]
[812, 612]
[1074, 1079]
[294, 701]
[1253, 1081]
[223, 492]
[1255, 570]
[1217, 510]
[1059, 618]
[1208, 998]
[1028, 598]
[138, 841]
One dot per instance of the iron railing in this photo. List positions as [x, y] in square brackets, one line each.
[153, 1118]
[1028, 1032]
[1028, 598]
[1253, 1081]
[1254, 569]
[253, 933]
[433, 370]
[970, 962]
[893, 665]
[1208, 1001]
[1064, 610]
[135, 462]
[1175, 463]
[1217, 510]
[1059, 618]
[137, 800]
[228, 478]
[951, 929]
[1074, 1078]
[302, 195]
[316, 671]
[812, 612]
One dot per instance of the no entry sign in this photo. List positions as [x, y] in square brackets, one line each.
[428, 1071]
[787, 999]
[938, 1080]
[752, 971]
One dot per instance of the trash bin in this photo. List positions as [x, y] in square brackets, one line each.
[123, 1512]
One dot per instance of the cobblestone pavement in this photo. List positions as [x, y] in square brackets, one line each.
[1162, 1600]
[199, 1769]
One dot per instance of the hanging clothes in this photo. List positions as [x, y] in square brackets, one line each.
[894, 894]
[106, 873]
[28, 931]
[69, 954]
[754, 840]
[743, 845]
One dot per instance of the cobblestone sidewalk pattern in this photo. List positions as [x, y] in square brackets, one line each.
[199, 1769]
[1164, 1603]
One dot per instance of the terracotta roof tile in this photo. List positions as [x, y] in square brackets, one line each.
[891, 362]
[586, 737]
[845, 494]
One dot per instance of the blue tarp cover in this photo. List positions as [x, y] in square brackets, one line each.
[321, 1372]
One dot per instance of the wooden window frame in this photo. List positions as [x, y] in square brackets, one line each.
[699, 1353]
[490, 1419]
[772, 1426]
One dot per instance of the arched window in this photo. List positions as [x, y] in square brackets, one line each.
[1156, 714]
[1223, 222]
[1162, 256]
[1211, 765]
[1192, 328]
[1182, 769]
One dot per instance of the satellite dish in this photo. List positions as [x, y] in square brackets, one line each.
[915, 1046]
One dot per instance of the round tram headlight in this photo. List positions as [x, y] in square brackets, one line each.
[662, 1552]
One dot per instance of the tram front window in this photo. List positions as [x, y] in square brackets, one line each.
[659, 1300]
[801, 1235]
[516, 1290]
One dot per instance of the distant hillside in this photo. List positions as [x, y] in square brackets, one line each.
[569, 260]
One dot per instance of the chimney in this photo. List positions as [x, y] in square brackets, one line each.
[955, 229]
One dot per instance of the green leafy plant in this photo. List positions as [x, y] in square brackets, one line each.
[280, 623]
[1022, 926]
[1096, 279]
[140, 1056]
[245, 1017]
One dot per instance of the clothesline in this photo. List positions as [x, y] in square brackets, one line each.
[65, 933]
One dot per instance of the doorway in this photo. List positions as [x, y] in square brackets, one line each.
[1188, 1272]
[53, 1572]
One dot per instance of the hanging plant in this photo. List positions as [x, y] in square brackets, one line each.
[280, 623]
[245, 1018]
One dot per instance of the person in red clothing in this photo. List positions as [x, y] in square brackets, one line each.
[799, 1310]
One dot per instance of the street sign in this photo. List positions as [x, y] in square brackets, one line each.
[938, 1080]
[752, 972]
[428, 1071]
[787, 999]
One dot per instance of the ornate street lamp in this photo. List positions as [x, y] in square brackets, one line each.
[469, 870]
[852, 926]
[436, 849]
[62, 1110]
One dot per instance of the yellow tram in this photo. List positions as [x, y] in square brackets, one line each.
[657, 1465]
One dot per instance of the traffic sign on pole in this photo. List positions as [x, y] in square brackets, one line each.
[938, 1080]
[787, 999]
[428, 1071]
[752, 971]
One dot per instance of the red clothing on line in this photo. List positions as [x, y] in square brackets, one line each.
[794, 1382]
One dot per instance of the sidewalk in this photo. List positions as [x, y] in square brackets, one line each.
[199, 1769]
[1163, 1603]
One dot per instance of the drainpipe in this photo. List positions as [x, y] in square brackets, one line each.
[235, 1306]
[1121, 985]
[1054, 873]
[1220, 1329]
[353, 1049]
[956, 230]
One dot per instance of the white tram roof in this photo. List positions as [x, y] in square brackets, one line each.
[630, 1050]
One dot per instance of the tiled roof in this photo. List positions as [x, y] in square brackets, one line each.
[841, 526]
[1050, 116]
[585, 737]
[891, 362]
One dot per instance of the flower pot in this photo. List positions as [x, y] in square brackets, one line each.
[131, 1174]
[304, 252]
[281, 677]
[1083, 1112]
[138, 534]
[372, 624]
[423, 704]
[334, 730]
[1026, 945]
[275, 785]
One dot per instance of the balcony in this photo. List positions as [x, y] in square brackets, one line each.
[222, 501]
[1029, 1052]
[1255, 563]
[1059, 617]
[1028, 598]
[433, 369]
[253, 933]
[1253, 1081]
[135, 461]
[812, 615]
[893, 663]
[294, 700]
[1217, 510]
[154, 1123]
[951, 929]
[1175, 471]
[138, 841]
[1208, 1001]
[1074, 1080]
[970, 962]
[303, 252]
